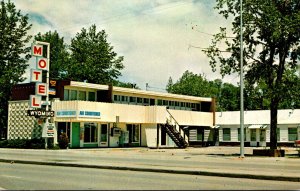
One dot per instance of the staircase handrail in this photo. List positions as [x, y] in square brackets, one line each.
[184, 134]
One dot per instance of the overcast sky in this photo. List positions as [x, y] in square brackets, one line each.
[154, 36]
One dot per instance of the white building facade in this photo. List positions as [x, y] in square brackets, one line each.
[257, 127]
[94, 115]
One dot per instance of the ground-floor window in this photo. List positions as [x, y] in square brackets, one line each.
[90, 132]
[226, 134]
[292, 134]
[278, 134]
[134, 133]
[196, 134]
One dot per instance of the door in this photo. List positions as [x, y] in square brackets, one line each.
[163, 135]
[75, 138]
[262, 138]
[103, 140]
[253, 139]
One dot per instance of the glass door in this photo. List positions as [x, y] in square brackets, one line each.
[103, 140]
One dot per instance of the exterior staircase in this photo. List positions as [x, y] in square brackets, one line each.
[175, 132]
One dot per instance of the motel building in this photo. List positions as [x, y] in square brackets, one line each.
[257, 127]
[94, 115]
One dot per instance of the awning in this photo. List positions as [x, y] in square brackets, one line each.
[257, 126]
[215, 127]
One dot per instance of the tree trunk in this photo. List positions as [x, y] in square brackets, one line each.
[273, 127]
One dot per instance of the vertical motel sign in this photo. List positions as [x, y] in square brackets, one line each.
[41, 89]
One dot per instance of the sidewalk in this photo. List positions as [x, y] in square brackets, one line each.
[210, 161]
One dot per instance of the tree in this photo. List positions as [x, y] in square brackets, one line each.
[93, 58]
[271, 47]
[13, 53]
[124, 84]
[197, 85]
[59, 56]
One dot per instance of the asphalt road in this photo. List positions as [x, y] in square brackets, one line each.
[38, 177]
[159, 158]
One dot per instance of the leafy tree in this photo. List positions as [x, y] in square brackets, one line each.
[59, 56]
[271, 47]
[13, 53]
[227, 95]
[190, 84]
[229, 98]
[93, 58]
[125, 84]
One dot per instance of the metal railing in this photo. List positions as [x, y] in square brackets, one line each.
[172, 119]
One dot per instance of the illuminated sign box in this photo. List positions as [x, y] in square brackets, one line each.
[91, 114]
[66, 113]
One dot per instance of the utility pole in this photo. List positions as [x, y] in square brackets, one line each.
[242, 85]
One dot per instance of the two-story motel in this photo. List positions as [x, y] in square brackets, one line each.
[96, 115]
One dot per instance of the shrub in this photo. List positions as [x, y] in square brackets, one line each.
[23, 143]
[37, 143]
[63, 141]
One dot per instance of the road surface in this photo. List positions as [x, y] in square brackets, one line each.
[38, 177]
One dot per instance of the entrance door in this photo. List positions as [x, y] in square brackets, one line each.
[103, 140]
[253, 139]
[262, 138]
[75, 138]
[163, 135]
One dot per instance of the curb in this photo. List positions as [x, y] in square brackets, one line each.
[203, 173]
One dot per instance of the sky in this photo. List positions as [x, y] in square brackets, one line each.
[156, 37]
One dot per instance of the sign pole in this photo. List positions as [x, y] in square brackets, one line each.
[47, 82]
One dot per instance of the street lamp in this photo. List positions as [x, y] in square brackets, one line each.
[242, 84]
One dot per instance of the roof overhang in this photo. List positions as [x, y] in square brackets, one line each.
[256, 126]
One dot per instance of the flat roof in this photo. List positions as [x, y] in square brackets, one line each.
[139, 92]
[285, 116]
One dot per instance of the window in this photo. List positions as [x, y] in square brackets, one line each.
[188, 105]
[134, 132]
[159, 102]
[278, 134]
[292, 134]
[132, 99]
[116, 98]
[226, 134]
[82, 95]
[193, 105]
[92, 96]
[73, 94]
[124, 98]
[140, 100]
[171, 103]
[146, 100]
[182, 104]
[176, 103]
[66, 94]
[165, 102]
[90, 132]
[239, 134]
